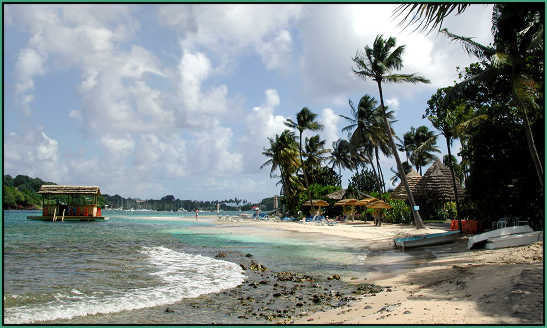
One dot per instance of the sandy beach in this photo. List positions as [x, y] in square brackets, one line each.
[503, 286]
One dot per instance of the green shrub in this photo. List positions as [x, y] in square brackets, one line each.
[448, 211]
[399, 212]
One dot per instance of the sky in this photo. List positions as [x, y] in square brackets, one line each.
[149, 100]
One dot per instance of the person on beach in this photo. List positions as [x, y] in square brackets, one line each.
[197, 215]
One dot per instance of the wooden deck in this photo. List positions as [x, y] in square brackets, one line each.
[69, 218]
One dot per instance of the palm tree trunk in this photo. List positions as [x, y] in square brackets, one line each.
[417, 219]
[532, 148]
[454, 183]
[383, 182]
[375, 174]
[305, 174]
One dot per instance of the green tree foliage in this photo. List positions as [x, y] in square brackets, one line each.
[325, 176]
[364, 182]
[399, 212]
[22, 192]
[284, 157]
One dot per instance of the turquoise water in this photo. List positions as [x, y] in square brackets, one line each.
[142, 259]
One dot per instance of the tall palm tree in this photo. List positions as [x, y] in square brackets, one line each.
[305, 120]
[377, 64]
[340, 155]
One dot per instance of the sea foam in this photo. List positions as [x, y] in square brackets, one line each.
[183, 275]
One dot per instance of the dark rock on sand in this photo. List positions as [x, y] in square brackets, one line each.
[368, 289]
[257, 267]
[334, 277]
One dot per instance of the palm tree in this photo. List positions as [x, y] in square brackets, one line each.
[315, 152]
[377, 63]
[366, 127]
[425, 144]
[283, 156]
[305, 120]
[340, 155]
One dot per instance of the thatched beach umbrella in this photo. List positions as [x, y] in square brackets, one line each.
[378, 204]
[316, 203]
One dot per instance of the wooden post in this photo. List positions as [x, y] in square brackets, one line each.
[54, 213]
[63, 217]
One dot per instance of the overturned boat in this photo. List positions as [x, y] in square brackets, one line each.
[482, 238]
[427, 240]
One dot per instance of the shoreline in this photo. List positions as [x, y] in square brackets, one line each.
[447, 285]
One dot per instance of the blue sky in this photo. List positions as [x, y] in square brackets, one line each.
[149, 100]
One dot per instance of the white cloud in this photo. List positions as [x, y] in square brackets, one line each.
[326, 58]
[118, 145]
[23, 152]
[276, 53]
[262, 27]
[330, 120]
[392, 104]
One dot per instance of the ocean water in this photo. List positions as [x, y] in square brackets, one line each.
[136, 260]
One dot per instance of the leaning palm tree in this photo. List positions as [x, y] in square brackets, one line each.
[377, 64]
[305, 120]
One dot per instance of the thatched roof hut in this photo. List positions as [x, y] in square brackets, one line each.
[413, 179]
[437, 183]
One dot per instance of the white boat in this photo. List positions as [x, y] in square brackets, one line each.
[520, 239]
[497, 233]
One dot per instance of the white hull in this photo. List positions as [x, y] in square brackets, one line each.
[513, 240]
[498, 233]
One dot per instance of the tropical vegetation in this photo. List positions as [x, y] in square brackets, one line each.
[494, 108]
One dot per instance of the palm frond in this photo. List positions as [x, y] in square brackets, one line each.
[428, 16]
[409, 78]
[470, 46]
